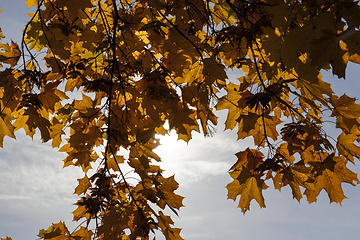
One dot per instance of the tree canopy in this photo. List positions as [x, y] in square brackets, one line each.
[102, 80]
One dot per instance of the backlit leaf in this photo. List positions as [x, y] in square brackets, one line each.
[11, 54]
[347, 147]
[83, 186]
[6, 128]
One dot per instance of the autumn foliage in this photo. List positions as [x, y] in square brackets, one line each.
[114, 75]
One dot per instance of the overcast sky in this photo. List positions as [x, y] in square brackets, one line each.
[35, 191]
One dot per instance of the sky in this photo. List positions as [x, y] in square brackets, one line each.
[36, 191]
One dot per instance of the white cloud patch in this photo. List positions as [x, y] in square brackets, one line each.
[201, 157]
[35, 190]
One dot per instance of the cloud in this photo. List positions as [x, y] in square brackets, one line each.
[35, 189]
[201, 157]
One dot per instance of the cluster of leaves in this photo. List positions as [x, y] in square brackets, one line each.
[147, 67]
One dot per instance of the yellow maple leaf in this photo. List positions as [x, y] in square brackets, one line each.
[49, 96]
[80, 212]
[112, 164]
[295, 179]
[82, 233]
[56, 231]
[83, 158]
[171, 199]
[31, 3]
[6, 128]
[84, 105]
[230, 102]
[332, 185]
[346, 147]
[257, 129]
[345, 106]
[83, 186]
[11, 53]
[249, 158]
[247, 182]
[249, 187]
[55, 134]
[164, 223]
[37, 120]
[329, 172]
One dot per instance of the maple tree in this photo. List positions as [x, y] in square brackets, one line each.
[143, 68]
